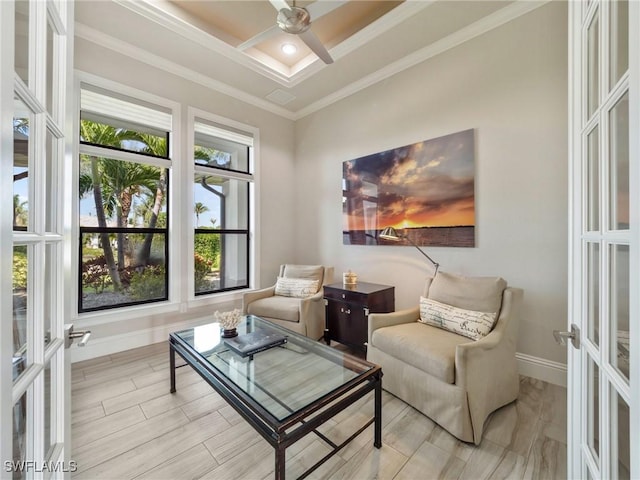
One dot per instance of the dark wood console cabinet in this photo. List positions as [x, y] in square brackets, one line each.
[347, 309]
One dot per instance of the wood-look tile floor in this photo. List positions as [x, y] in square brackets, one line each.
[126, 425]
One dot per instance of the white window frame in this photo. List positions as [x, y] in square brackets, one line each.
[194, 114]
[174, 202]
[182, 297]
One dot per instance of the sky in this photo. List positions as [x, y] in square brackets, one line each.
[426, 184]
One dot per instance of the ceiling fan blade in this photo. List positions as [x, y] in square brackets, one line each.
[256, 39]
[316, 45]
[280, 4]
[320, 8]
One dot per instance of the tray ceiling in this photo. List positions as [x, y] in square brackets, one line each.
[233, 46]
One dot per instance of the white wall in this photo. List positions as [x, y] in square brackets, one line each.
[275, 196]
[510, 85]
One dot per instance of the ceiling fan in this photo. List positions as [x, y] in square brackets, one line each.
[297, 21]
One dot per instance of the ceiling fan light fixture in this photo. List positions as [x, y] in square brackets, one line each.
[294, 20]
[289, 48]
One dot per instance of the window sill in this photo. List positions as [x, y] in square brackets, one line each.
[125, 313]
[214, 299]
[226, 300]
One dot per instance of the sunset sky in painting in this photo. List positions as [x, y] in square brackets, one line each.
[426, 184]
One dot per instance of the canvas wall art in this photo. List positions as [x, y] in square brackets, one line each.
[426, 189]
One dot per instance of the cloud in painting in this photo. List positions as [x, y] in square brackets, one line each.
[425, 184]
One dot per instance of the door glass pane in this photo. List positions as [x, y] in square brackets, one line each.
[593, 62]
[619, 309]
[619, 164]
[593, 407]
[50, 292]
[21, 134]
[593, 292]
[50, 184]
[20, 434]
[22, 39]
[619, 41]
[47, 408]
[593, 174]
[620, 458]
[20, 358]
[51, 61]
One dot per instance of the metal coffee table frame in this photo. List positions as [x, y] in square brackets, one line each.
[283, 433]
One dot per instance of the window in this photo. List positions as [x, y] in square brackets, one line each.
[123, 187]
[223, 159]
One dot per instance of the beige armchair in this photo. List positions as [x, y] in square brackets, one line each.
[452, 379]
[301, 315]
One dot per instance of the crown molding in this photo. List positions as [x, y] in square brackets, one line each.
[484, 25]
[102, 39]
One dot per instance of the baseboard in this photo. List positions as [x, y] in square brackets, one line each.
[99, 347]
[542, 369]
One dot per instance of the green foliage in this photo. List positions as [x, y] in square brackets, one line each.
[207, 246]
[202, 267]
[20, 268]
[148, 284]
[89, 252]
[162, 220]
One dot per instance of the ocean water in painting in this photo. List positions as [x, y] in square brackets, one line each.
[426, 190]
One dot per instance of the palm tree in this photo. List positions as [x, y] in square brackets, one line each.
[103, 135]
[125, 180]
[156, 146]
[199, 208]
[121, 181]
[145, 251]
[143, 210]
[20, 212]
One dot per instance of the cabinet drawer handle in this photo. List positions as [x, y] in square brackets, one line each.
[343, 296]
[347, 311]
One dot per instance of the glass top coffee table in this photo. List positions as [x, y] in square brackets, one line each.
[285, 391]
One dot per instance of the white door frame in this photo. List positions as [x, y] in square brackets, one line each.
[580, 462]
[42, 88]
[634, 174]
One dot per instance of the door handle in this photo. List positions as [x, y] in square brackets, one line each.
[562, 338]
[70, 335]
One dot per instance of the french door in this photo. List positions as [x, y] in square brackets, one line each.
[604, 291]
[36, 57]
